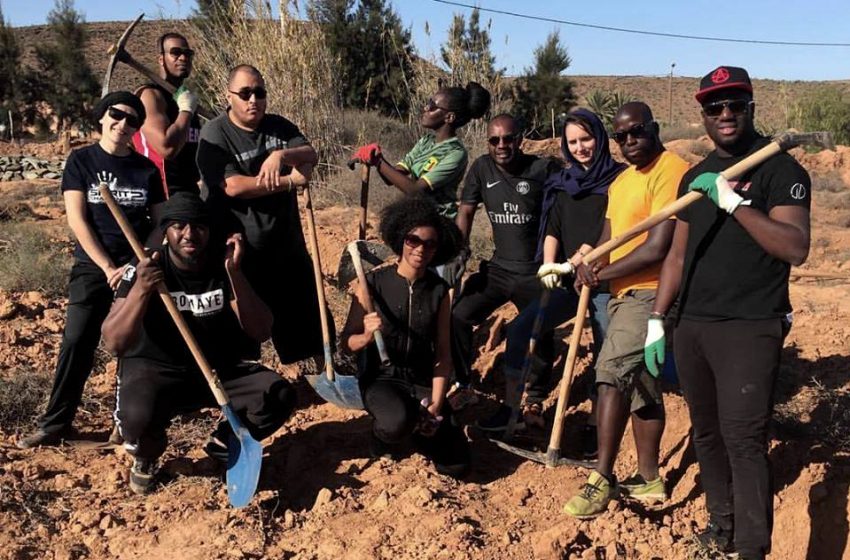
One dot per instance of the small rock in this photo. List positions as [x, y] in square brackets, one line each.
[33, 472]
[521, 495]
[63, 553]
[381, 502]
[107, 522]
[324, 496]
[288, 519]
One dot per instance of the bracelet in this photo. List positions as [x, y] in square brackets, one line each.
[657, 315]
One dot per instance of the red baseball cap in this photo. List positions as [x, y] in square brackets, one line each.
[724, 77]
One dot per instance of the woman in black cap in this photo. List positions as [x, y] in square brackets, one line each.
[413, 313]
[101, 251]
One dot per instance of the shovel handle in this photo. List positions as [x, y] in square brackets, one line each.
[212, 379]
[364, 199]
[680, 204]
[569, 370]
[354, 251]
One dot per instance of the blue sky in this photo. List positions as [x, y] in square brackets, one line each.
[595, 51]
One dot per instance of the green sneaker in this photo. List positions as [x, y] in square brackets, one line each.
[638, 488]
[593, 498]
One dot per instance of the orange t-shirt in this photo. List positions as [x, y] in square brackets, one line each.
[634, 195]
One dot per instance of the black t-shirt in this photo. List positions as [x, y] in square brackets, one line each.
[181, 171]
[574, 221]
[409, 315]
[727, 275]
[513, 204]
[134, 182]
[204, 301]
[269, 222]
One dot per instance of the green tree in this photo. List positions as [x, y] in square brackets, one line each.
[69, 86]
[606, 104]
[10, 69]
[828, 109]
[543, 92]
[373, 52]
[467, 53]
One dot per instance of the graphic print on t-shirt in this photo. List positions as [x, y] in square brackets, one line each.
[200, 305]
[125, 195]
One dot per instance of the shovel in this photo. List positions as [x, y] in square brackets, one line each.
[354, 251]
[245, 454]
[340, 390]
[372, 253]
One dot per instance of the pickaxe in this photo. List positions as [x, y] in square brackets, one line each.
[782, 143]
[118, 53]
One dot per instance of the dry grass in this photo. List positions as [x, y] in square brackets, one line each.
[30, 260]
[293, 57]
[22, 395]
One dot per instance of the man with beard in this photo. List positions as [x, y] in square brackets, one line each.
[510, 184]
[251, 163]
[626, 390]
[729, 264]
[157, 376]
[169, 137]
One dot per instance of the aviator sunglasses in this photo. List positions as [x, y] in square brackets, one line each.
[637, 131]
[414, 241]
[119, 115]
[507, 139]
[177, 52]
[245, 93]
[432, 106]
[736, 107]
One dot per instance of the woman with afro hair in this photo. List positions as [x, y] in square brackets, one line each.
[413, 313]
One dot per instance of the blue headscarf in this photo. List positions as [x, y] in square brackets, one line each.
[575, 179]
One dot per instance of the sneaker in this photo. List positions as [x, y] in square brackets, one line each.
[142, 475]
[499, 421]
[638, 488]
[40, 437]
[589, 442]
[593, 498]
[462, 396]
[715, 538]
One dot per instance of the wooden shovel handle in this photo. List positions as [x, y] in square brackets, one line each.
[320, 285]
[212, 379]
[364, 199]
[354, 251]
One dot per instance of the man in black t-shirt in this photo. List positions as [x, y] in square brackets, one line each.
[251, 163]
[729, 264]
[158, 377]
[510, 185]
[169, 137]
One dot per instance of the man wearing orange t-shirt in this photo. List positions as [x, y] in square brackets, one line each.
[624, 385]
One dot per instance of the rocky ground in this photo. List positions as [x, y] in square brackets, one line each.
[320, 494]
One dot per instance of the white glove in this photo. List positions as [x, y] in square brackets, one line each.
[186, 100]
[550, 274]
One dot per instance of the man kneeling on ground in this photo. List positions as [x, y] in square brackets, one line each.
[158, 377]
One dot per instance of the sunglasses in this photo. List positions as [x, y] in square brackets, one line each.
[507, 139]
[637, 131]
[736, 107]
[432, 106]
[414, 241]
[119, 115]
[177, 52]
[245, 93]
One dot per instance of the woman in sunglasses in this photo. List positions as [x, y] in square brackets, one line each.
[101, 252]
[436, 164]
[413, 314]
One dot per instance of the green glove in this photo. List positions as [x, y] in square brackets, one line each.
[653, 348]
[718, 189]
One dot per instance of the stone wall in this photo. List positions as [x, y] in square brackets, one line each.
[17, 168]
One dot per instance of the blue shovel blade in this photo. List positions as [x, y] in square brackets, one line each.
[244, 460]
[343, 392]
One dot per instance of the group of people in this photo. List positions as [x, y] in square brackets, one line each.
[713, 278]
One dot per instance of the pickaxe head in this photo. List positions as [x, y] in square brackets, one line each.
[788, 140]
[372, 254]
[116, 51]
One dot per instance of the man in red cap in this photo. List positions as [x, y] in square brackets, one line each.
[729, 264]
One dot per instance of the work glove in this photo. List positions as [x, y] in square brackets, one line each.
[186, 100]
[550, 274]
[718, 189]
[370, 154]
[653, 348]
[454, 269]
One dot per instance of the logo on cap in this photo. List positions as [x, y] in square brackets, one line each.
[720, 75]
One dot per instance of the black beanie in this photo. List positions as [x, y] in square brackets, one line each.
[185, 207]
[119, 98]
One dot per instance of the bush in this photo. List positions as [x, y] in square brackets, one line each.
[30, 260]
[828, 109]
[21, 398]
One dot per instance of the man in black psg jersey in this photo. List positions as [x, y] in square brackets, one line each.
[251, 163]
[170, 135]
[729, 264]
[157, 377]
[510, 184]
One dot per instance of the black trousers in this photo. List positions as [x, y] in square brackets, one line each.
[151, 394]
[727, 370]
[89, 300]
[396, 411]
[484, 292]
[287, 286]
